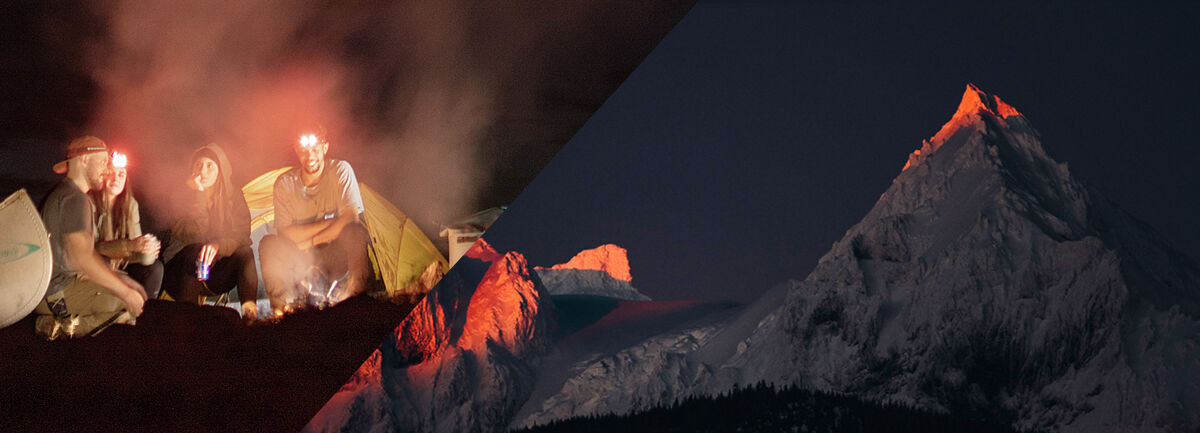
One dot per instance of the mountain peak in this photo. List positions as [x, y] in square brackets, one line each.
[974, 106]
[606, 258]
[976, 101]
[482, 250]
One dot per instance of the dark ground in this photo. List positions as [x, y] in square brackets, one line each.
[188, 368]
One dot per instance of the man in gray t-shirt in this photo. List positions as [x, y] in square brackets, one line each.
[85, 295]
[318, 210]
[66, 210]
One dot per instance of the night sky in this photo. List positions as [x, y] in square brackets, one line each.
[755, 135]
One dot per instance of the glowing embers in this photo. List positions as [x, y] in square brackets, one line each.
[58, 328]
[315, 291]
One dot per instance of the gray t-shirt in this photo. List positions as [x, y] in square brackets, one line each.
[335, 193]
[66, 210]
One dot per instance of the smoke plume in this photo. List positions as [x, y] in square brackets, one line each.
[420, 97]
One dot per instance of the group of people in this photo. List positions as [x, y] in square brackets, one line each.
[106, 267]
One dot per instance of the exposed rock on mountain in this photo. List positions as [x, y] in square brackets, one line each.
[463, 360]
[608, 258]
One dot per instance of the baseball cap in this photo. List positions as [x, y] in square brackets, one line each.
[80, 146]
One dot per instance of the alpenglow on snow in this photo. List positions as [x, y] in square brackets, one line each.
[985, 282]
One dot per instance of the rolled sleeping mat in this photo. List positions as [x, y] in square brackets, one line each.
[25, 258]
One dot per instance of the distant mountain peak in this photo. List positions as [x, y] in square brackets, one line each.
[976, 101]
[974, 106]
[482, 250]
[607, 258]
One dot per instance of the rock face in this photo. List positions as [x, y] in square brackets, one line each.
[986, 282]
[610, 259]
[463, 360]
[601, 271]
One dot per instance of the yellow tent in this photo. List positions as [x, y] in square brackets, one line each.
[400, 252]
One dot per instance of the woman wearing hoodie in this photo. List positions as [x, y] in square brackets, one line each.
[211, 227]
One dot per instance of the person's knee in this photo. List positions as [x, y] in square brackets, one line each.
[97, 299]
[273, 251]
[269, 246]
[275, 290]
[189, 252]
[355, 241]
[243, 254]
[154, 279]
[355, 234]
[156, 268]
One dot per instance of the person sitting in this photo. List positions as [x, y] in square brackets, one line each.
[84, 296]
[318, 210]
[211, 228]
[119, 234]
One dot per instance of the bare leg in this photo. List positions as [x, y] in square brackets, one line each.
[280, 260]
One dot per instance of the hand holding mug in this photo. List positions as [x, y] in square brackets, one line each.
[148, 247]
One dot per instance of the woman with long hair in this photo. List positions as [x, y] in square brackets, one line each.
[211, 230]
[119, 236]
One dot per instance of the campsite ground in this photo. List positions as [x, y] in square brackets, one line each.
[189, 368]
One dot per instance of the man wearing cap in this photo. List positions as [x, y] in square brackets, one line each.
[85, 295]
[317, 220]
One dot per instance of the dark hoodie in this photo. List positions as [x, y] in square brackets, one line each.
[225, 222]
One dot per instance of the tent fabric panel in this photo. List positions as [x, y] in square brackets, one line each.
[259, 191]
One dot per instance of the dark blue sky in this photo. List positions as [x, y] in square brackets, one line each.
[755, 135]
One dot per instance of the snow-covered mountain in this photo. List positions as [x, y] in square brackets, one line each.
[600, 271]
[479, 346]
[463, 361]
[986, 281]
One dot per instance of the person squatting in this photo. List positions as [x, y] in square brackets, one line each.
[105, 266]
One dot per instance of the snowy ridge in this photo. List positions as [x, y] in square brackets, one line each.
[986, 282]
[620, 383]
[663, 368]
[600, 271]
[588, 282]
